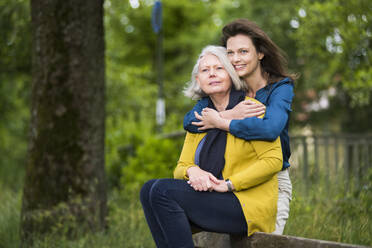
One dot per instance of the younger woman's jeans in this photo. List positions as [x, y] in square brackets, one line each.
[171, 205]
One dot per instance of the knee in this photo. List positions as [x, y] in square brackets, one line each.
[156, 190]
[284, 183]
[160, 189]
[145, 190]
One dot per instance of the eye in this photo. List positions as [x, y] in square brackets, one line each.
[204, 70]
[220, 68]
[244, 51]
[230, 53]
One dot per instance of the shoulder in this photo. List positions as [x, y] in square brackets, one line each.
[194, 137]
[203, 100]
[283, 87]
[256, 101]
[252, 99]
[284, 84]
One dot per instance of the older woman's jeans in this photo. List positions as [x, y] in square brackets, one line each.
[170, 205]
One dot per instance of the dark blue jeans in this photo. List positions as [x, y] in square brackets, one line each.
[170, 205]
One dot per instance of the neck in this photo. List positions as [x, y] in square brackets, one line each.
[255, 82]
[220, 100]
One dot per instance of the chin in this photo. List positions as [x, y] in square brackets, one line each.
[217, 92]
[242, 73]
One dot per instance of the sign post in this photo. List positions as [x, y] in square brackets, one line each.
[156, 22]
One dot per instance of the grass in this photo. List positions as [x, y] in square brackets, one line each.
[127, 225]
[317, 214]
[332, 212]
[346, 220]
[10, 205]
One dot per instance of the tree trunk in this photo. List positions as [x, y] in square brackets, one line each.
[65, 180]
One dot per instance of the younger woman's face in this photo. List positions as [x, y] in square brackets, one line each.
[243, 55]
[212, 76]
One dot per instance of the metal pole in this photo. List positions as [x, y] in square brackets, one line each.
[160, 103]
[157, 27]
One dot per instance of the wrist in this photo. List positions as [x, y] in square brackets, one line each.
[223, 124]
[223, 114]
[226, 114]
[190, 169]
[230, 186]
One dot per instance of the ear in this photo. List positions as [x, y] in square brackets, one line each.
[261, 56]
[197, 80]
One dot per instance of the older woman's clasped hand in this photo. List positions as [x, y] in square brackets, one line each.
[202, 180]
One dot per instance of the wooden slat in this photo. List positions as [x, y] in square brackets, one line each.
[263, 240]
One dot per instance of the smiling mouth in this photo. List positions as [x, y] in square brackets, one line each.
[239, 67]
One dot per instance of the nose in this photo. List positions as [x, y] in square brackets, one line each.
[235, 57]
[212, 72]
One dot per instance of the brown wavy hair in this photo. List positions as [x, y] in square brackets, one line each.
[274, 62]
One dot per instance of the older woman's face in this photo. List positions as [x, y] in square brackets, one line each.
[212, 76]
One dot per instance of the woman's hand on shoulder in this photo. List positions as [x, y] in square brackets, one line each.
[201, 180]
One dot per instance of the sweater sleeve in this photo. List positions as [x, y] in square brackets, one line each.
[190, 116]
[187, 157]
[275, 120]
[269, 162]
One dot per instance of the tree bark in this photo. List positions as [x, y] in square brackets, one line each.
[65, 179]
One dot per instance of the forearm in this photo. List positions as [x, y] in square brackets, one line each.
[186, 159]
[227, 114]
[256, 129]
[223, 124]
[274, 122]
[180, 172]
[187, 122]
[190, 116]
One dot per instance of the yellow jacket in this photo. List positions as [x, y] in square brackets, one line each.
[251, 166]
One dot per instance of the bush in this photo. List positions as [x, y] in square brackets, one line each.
[155, 158]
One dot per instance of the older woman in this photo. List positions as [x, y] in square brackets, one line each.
[222, 183]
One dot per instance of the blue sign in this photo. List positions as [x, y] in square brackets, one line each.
[156, 19]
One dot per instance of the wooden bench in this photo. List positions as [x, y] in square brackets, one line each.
[262, 240]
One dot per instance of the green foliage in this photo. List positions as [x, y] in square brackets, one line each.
[334, 45]
[156, 158]
[131, 42]
[335, 37]
[15, 45]
[15, 67]
[130, 116]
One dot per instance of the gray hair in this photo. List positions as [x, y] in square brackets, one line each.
[194, 91]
